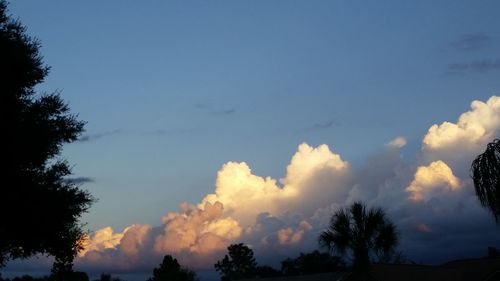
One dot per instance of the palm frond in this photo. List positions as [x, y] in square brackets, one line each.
[485, 172]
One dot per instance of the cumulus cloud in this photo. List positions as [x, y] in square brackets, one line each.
[197, 230]
[314, 175]
[102, 239]
[477, 126]
[459, 143]
[430, 198]
[243, 206]
[430, 178]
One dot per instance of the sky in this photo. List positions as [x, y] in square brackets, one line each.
[216, 122]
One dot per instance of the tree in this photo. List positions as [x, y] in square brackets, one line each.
[485, 173]
[238, 265]
[310, 263]
[39, 207]
[265, 271]
[170, 270]
[107, 277]
[362, 234]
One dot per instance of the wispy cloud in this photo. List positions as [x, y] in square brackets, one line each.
[79, 180]
[92, 137]
[223, 111]
[478, 66]
[169, 132]
[320, 126]
[472, 42]
[213, 110]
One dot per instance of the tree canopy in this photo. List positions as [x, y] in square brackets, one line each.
[39, 207]
[170, 270]
[361, 233]
[239, 263]
[310, 263]
[485, 172]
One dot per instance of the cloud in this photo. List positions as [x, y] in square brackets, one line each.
[397, 142]
[79, 180]
[423, 228]
[209, 108]
[102, 239]
[197, 234]
[430, 198]
[459, 143]
[314, 175]
[197, 230]
[223, 111]
[287, 236]
[477, 66]
[430, 178]
[320, 126]
[472, 42]
[169, 132]
[134, 238]
[92, 137]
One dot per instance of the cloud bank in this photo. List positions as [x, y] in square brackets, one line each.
[431, 199]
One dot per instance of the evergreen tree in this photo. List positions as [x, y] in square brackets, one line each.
[170, 270]
[238, 265]
[39, 208]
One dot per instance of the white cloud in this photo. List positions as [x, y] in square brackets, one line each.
[313, 175]
[459, 143]
[429, 179]
[476, 126]
[102, 239]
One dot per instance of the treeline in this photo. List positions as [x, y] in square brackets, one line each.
[75, 276]
[239, 263]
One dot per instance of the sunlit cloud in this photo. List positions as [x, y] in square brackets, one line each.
[474, 127]
[102, 239]
[313, 174]
[288, 235]
[280, 217]
[430, 178]
[197, 230]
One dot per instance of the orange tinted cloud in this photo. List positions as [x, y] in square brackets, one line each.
[428, 179]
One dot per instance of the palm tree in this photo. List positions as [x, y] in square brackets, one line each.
[362, 234]
[485, 172]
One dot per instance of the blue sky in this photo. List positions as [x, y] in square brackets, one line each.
[172, 90]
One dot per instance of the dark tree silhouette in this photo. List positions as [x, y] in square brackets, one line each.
[39, 209]
[170, 270]
[107, 277]
[361, 233]
[310, 263]
[485, 172]
[238, 265]
[265, 271]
